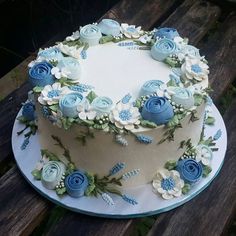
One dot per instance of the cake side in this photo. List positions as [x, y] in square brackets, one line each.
[101, 152]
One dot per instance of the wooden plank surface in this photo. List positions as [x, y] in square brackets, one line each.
[22, 209]
[193, 19]
[221, 52]
[81, 225]
[211, 211]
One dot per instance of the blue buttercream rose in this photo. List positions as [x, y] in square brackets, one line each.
[166, 32]
[109, 27]
[102, 105]
[28, 111]
[76, 184]
[51, 53]
[190, 170]
[163, 48]
[90, 34]
[69, 103]
[183, 96]
[40, 74]
[150, 87]
[157, 110]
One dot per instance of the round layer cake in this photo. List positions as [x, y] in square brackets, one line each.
[114, 105]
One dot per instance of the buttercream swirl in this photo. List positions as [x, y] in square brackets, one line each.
[40, 74]
[166, 32]
[183, 96]
[109, 27]
[51, 53]
[163, 48]
[68, 104]
[52, 173]
[102, 105]
[190, 170]
[76, 184]
[158, 110]
[90, 34]
[150, 87]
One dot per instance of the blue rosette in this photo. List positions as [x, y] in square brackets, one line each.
[190, 170]
[68, 104]
[102, 105]
[169, 33]
[28, 111]
[158, 110]
[109, 27]
[163, 48]
[40, 74]
[76, 184]
[51, 53]
[150, 87]
[183, 96]
[90, 34]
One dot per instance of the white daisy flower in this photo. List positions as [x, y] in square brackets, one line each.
[130, 31]
[86, 112]
[168, 184]
[204, 154]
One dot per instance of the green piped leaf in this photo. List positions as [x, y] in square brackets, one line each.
[22, 119]
[198, 99]
[206, 171]
[91, 96]
[173, 122]
[60, 191]
[54, 107]
[170, 165]
[210, 120]
[38, 89]
[186, 188]
[106, 39]
[148, 124]
[50, 155]
[37, 174]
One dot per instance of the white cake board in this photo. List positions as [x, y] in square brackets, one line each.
[148, 202]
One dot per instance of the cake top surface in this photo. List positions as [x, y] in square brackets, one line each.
[120, 75]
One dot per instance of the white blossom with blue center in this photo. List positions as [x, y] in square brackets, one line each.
[52, 93]
[168, 184]
[125, 116]
[195, 69]
[130, 31]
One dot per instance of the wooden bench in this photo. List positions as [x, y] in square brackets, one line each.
[23, 210]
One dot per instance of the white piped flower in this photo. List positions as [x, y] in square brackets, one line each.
[74, 36]
[168, 184]
[145, 38]
[37, 60]
[165, 91]
[42, 162]
[56, 118]
[181, 42]
[204, 154]
[130, 31]
[70, 51]
[52, 93]
[86, 111]
[125, 116]
[194, 69]
[59, 73]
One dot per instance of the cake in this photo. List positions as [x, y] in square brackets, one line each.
[118, 107]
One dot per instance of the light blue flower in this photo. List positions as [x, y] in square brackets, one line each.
[163, 48]
[166, 32]
[102, 105]
[109, 27]
[51, 54]
[90, 34]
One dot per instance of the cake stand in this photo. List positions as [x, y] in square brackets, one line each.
[148, 202]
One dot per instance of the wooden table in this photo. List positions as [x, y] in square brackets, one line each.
[23, 209]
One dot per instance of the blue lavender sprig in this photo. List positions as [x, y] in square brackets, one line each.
[144, 138]
[116, 168]
[107, 198]
[121, 140]
[130, 174]
[217, 135]
[81, 88]
[45, 111]
[25, 143]
[126, 98]
[130, 200]
[83, 54]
